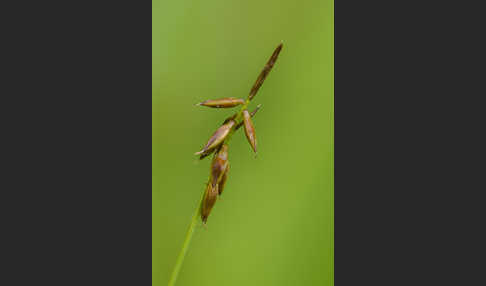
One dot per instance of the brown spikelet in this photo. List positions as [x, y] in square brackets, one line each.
[251, 114]
[222, 102]
[249, 130]
[263, 74]
[222, 182]
[208, 202]
[218, 137]
[218, 165]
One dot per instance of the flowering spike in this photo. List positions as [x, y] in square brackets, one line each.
[264, 72]
[222, 102]
[249, 130]
[217, 144]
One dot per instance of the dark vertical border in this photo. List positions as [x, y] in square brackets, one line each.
[78, 161]
[407, 151]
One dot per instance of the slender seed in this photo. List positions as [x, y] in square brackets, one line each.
[249, 130]
[208, 202]
[222, 102]
[264, 72]
[251, 114]
[218, 137]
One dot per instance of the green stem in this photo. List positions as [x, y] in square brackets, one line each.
[187, 241]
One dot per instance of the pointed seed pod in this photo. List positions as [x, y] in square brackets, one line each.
[222, 102]
[249, 130]
[218, 137]
[222, 182]
[219, 164]
[251, 114]
[232, 117]
[208, 202]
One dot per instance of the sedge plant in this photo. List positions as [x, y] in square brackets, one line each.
[218, 145]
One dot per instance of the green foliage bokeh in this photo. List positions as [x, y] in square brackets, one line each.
[274, 224]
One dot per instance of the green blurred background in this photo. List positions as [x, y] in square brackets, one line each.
[274, 224]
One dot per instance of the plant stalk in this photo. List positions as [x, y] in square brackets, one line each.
[185, 245]
[237, 119]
